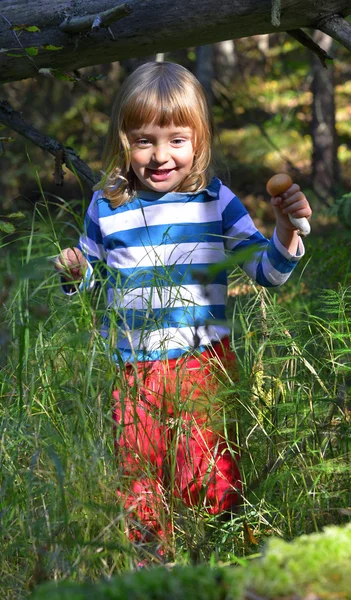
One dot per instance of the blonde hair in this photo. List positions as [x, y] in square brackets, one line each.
[159, 93]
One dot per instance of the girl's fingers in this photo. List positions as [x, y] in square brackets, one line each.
[293, 207]
[70, 262]
[294, 197]
[298, 214]
[296, 204]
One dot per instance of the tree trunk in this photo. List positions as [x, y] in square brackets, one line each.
[325, 168]
[204, 69]
[69, 34]
[225, 61]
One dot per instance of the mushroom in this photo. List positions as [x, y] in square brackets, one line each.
[277, 185]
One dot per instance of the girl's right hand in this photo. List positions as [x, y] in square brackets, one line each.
[71, 264]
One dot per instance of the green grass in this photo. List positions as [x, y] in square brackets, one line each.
[60, 515]
[316, 565]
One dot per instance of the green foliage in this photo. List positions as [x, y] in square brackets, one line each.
[317, 565]
[262, 115]
[60, 517]
[197, 583]
[30, 28]
[31, 51]
[7, 226]
[343, 210]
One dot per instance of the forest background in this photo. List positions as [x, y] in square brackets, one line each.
[270, 98]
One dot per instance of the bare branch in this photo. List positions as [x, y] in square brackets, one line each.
[13, 119]
[338, 28]
[306, 41]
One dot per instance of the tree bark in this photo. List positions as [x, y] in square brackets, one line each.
[69, 34]
[204, 69]
[325, 167]
[225, 61]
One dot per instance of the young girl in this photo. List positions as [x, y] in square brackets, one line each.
[158, 222]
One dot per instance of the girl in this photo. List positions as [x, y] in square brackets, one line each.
[157, 222]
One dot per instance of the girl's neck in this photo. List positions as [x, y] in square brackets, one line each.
[150, 195]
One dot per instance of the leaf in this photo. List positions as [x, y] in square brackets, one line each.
[249, 534]
[65, 76]
[15, 55]
[32, 51]
[16, 215]
[25, 28]
[58, 74]
[7, 139]
[50, 47]
[6, 227]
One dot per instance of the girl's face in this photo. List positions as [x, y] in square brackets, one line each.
[161, 157]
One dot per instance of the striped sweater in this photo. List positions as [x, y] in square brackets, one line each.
[157, 251]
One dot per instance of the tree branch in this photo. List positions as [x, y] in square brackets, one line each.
[153, 26]
[338, 28]
[13, 119]
[309, 43]
[94, 22]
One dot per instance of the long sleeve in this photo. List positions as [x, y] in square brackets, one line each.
[90, 243]
[267, 262]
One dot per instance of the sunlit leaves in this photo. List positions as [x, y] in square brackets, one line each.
[30, 28]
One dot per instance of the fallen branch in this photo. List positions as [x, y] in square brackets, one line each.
[95, 21]
[13, 119]
[338, 28]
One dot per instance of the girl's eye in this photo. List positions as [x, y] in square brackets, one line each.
[142, 143]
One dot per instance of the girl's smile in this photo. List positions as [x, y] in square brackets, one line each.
[161, 157]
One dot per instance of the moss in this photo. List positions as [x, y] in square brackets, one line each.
[316, 565]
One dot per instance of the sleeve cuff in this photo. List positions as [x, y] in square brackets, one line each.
[292, 257]
[87, 283]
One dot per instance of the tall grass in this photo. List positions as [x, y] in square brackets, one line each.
[60, 515]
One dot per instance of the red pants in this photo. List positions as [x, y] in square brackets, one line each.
[169, 436]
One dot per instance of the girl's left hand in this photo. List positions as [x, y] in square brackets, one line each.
[293, 201]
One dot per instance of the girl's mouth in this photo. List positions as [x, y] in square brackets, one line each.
[160, 174]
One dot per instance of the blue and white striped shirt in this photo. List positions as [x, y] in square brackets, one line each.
[155, 248]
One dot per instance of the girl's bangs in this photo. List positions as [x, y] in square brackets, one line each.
[161, 110]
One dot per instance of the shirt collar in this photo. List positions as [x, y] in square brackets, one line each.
[212, 189]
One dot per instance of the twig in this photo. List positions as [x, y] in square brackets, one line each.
[308, 42]
[13, 119]
[96, 21]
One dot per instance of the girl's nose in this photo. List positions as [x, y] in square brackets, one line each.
[161, 153]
